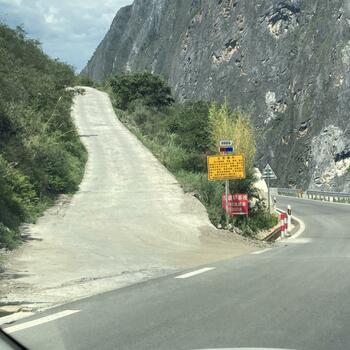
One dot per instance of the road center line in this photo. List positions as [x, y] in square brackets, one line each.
[39, 321]
[261, 251]
[197, 272]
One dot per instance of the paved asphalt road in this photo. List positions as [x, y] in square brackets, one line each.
[294, 296]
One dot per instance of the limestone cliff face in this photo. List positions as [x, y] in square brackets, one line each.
[285, 61]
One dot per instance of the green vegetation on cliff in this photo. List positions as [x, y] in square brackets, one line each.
[148, 88]
[181, 136]
[40, 152]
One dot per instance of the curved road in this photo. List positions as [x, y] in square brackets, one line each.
[130, 221]
[294, 296]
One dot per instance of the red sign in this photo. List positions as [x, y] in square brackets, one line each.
[237, 204]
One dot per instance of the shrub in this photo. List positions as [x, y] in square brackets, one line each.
[259, 219]
[17, 196]
[190, 123]
[9, 239]
[84, 80]
[236, 126]
[148, 87]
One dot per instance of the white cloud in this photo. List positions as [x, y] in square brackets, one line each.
[68, 29]
[52, 16]
[11, 2]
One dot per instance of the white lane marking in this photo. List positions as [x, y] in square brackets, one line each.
[299, 241]
[301, 228]
[15, 317]
[261, 251]
[39, 321]
[194, 273]
[244, 349]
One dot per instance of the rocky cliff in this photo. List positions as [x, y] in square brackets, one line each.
[285, 61]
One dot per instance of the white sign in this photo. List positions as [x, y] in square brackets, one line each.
[268, 173]
[226, 143]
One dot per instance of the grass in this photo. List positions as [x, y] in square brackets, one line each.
[41, 155]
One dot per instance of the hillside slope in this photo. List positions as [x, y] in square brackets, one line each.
[286, 61]
[40, 152]
[130, 221]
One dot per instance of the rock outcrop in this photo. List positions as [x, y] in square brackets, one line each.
[285, 61]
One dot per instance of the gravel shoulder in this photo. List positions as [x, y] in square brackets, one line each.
[129, 221]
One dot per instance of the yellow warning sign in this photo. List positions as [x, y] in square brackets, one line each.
[226, 167]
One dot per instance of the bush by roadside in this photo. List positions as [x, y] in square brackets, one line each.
[84, 80]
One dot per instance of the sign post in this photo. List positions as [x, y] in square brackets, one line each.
[289, 216]
[225, 148]
[268, 194]
[227, 185]
[226, 167]
[268, 174]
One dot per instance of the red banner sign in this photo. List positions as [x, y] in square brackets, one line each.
[237, 204]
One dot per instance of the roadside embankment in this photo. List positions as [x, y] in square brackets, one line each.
[129, 221]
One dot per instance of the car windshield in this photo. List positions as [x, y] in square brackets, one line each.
[174, 174]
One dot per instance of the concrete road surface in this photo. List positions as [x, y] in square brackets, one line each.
[129, 221]
[294, 296]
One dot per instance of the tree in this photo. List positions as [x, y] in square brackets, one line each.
[84, 80]
[233, 125]
[150, 88]
[190, 124]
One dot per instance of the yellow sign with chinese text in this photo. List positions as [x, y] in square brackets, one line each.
[226, 167]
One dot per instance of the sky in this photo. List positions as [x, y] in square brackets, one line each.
[68, 29]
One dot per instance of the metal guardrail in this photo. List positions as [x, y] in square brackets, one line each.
[293, 192]
[276, 233]
[342, 197]
[273, 235]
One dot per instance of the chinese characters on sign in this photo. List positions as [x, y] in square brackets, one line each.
[226, 167]
[237, 204]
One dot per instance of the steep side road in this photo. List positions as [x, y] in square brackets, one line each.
[129, 221]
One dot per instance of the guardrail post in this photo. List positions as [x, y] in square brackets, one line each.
[283, 223]
[289, 215]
